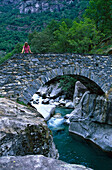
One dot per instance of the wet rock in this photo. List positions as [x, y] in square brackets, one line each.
[57, 115]
[100, 134]
[62, 102]
[55, 122]
[69, 105]
[35, 97]
[92, 119]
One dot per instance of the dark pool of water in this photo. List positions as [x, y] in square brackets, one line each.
[74, 149]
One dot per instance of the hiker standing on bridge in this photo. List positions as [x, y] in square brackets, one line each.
[26, 48]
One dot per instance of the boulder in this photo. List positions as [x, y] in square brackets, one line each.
[23, 131]
[56, 91]
[91, 119]
[69, 105]
[57, 115]
[51, 102]
[62, 102]
[45, 101]
[35, 97]
[46, 110]
[80, 89]
[95, 107]
[100, 134]
[36, 162]
[43, 90]
[50, 91]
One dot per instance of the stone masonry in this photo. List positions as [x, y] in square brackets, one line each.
[23, 74]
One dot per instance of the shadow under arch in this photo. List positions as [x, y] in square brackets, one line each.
[89, 84]
[94, 83]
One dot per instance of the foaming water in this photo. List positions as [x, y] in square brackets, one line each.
[76, 150]
[55, 122]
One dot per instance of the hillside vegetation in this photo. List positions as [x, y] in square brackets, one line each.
[78, 28]
[15, 26]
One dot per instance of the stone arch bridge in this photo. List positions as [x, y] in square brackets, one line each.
[23, 74]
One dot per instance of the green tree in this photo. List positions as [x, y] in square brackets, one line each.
[83, 36]
[41, 41]
[101, 12]
[18, 48]
[53, 26]
[61, 44]
[67, 83]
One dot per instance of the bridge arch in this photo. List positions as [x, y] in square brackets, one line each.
[87, 74]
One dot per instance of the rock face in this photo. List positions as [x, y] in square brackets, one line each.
[37, 6]
[93, 106]
[37, 162]
[92, 117]
[23, 131]
[8, 2]
[100, 134]
[79, 91]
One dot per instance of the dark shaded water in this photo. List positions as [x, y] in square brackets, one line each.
[76, 150]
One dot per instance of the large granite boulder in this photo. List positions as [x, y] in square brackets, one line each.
[92, 118]
[23, 131]
[95, 107]
[37, 162]
[80, 89]
[100, 134]
[46, 110]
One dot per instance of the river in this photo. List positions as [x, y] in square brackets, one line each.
[74, 149]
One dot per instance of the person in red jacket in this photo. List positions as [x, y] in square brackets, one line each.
[26, 48]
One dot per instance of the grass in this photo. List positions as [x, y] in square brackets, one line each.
[7, 56]
[21, 102]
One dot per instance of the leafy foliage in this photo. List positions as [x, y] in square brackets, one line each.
[68, 83]
[41, 41]
[7, 56]
[81, 37]
[17, 49]
[101, 12]
[15, 27]
[57, 32]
